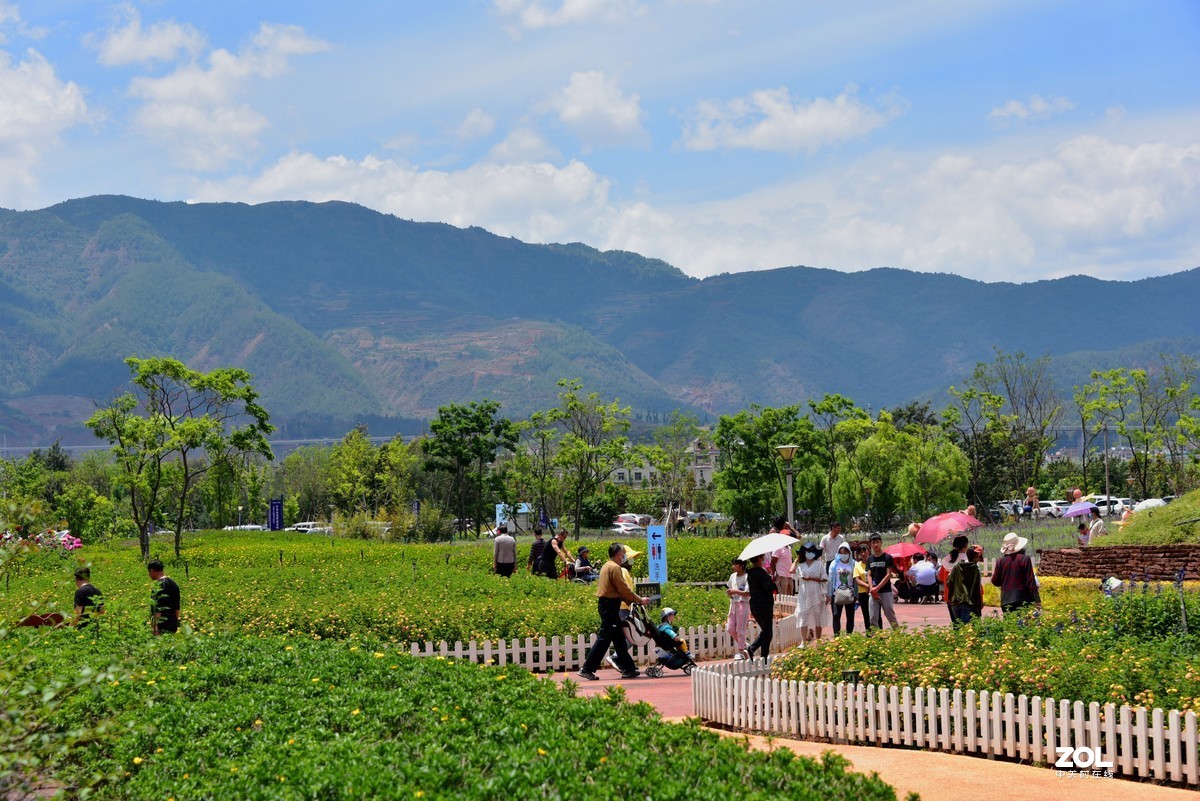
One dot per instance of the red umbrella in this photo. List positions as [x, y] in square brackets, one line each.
[938, 527]
[904, 550]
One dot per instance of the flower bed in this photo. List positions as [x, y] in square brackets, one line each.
[237, 717]
[321, 587]
[1127, 650]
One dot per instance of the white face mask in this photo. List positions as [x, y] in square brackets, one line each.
[845, 557]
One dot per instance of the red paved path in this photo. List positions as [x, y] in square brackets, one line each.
[934, 775]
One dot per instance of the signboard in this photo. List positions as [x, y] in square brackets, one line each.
[275, 515]
[656, 552]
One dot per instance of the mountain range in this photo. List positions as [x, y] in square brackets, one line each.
[346, 315]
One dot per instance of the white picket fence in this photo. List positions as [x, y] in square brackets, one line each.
[568, 653]
[1140, 743]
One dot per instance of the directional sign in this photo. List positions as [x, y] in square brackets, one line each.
[275, 515]
[656, 552]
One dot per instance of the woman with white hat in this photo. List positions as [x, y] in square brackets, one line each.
[1014, 575]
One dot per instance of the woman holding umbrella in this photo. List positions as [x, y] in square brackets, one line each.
[762, 606]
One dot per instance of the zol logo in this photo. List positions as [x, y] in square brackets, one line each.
[1080, 757]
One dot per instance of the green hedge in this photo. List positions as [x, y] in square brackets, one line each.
[1129, 649]
[247, 718]
[312, 586]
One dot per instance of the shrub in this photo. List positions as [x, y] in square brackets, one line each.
[1129, 649]
[255, 719]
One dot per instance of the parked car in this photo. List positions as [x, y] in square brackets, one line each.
[1052, 508]
[628, 529]
[246, 527]
[310, 527]
[1112, 506]
[637, 520]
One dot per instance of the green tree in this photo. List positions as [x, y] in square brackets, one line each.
[838, 425]
[671, 456]
[465, 443]
[592, 445]
[749, 480]
[200, 419]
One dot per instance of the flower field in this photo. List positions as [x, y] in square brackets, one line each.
[1127, 650]
[329, 588]
[265, 718]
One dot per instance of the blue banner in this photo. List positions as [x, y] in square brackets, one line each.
[275, 515]
[656, 553]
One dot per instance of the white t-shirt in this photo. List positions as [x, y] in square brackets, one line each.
[1097, 528]
[740, 583]
[829, 546]
[924, 573]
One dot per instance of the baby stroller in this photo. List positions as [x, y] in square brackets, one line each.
[640, 631]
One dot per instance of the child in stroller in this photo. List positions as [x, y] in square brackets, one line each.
[671, 650]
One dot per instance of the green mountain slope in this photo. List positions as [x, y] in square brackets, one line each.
[344, 314]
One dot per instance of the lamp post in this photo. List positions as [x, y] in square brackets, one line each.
[787, 453]
[239, 516]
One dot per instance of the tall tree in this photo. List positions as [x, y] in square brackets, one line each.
[199, 418]
[833, 438]
[593, 443]
[465, 441]
[671, 455]
[750, 477]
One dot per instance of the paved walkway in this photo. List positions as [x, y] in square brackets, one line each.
[934, 775]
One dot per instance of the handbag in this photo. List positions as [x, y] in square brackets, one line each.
[844, 596]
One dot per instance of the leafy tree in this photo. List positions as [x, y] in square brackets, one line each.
[199, 418]
[671, 455]
[839, 424]
[968, 418]
[465, 443]
[749, 480]
[592, 445]
[533, 472]
[934, 474]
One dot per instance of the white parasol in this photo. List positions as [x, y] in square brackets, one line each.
[768, 543]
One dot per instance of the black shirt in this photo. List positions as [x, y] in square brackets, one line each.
[87, 598]
[164, 601]
[878, 567]
[535, 554]
[761, 586]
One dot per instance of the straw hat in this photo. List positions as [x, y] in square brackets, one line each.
[1013, 543]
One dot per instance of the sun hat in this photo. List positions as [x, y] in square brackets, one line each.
[1013, 543]
[630, 553]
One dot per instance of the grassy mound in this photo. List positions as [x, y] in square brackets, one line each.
[1177, 523]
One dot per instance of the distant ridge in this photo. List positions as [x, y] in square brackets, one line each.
[347, 315]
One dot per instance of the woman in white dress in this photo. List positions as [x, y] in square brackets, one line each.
[811, 593]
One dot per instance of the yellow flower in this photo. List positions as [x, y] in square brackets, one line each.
[315, 681]
[258, 723]
[186, 775]
[603, 760]
[541, 752]
[158, 750]
[420, 793]
[137, 760]
[291, 742]
[501, 677]
[355, 712]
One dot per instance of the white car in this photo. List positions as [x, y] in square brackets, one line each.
[1112, 506]
[1052, 508]
[310, 527]
[628, 530]
[637, 520]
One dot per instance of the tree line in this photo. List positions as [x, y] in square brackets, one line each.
[189, 450]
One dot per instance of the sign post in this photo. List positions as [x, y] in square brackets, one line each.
[656, 553]
[275, 515]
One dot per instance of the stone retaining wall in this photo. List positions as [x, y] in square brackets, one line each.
[1162, 562]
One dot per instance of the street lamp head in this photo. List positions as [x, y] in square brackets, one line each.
[787, 452]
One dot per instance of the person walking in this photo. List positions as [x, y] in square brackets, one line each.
[782, 564]
[1097, 527]
[504, 553]
[610, 590]
[957, 553]
[762, 606]
[862, 582]
[164, 600]
[880, 569]
[1014, 575]
[812, 595]
[843, 591]
[88, 600]
[738, 621]
[535, 552]
[830, 543]
[966, 588]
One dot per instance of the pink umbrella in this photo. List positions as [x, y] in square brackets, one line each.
[904, 550]
[939, 527]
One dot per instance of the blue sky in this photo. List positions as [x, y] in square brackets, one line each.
[1002, 140]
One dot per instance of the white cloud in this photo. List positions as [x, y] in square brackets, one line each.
[594, 108]
[37, 108]
[477, 123]
[1016, 112]
[536, 202]
[768, 119]
[195, 110]
[541, 14]
[129, 43]
[1089, 205]
[523, 145]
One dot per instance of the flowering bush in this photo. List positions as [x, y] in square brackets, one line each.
[240, 717]
[1125, 650]
[48, 540]
[331, 588]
